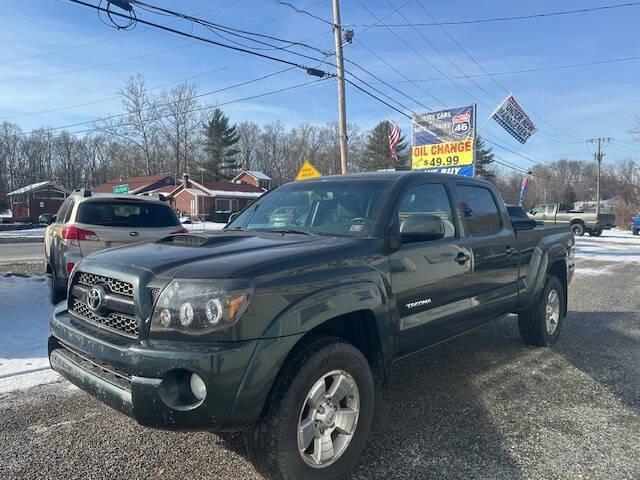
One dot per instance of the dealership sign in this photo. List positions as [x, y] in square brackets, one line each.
[512, 117]
[444, 141]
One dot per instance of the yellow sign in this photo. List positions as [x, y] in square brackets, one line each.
[439, 155]
[307, 171]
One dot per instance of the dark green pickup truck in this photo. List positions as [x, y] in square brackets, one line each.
[283, 324]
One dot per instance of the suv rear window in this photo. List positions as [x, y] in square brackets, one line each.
[127, 214]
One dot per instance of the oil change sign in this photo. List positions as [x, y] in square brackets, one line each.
[444, 141]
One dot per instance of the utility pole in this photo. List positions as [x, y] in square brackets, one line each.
[598, 154]
[342, 107]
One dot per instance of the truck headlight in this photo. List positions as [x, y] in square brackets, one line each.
[197, 307]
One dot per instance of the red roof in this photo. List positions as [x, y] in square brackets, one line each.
[231, 187]
[134, 183]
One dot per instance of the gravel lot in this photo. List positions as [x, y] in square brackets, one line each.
[483, 406]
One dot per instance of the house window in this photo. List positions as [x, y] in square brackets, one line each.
[227, 205]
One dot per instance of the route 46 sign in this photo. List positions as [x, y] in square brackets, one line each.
[461, 124]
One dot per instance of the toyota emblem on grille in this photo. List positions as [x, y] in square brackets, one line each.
[95, 297]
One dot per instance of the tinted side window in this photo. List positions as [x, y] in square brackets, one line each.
[479, 210]
[428, 199]
[65, 211]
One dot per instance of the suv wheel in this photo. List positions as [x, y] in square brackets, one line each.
[577, 229]
[541, 325]
[596, 232]
[317, 420]
[57, 293]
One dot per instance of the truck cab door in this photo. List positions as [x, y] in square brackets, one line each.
[428, 276]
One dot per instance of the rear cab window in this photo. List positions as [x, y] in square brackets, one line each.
[123, 213]
[480, 212]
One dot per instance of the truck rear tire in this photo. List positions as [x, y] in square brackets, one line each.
[577, 229]
[317, 419]
[596, 232]
[635, 232]
[541, 325]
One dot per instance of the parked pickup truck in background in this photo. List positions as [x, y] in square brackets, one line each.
[284, 325]
[635, 224]
[559, 214]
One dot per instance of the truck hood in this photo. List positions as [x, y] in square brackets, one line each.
[223, 254]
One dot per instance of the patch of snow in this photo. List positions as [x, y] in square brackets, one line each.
[24, 323]
[613, 246]
[27, 233]
[199, 227]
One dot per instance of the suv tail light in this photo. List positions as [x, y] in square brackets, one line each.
[73, 235]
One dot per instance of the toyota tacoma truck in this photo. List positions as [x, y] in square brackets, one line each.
[284, 324]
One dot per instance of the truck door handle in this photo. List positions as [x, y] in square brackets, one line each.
[511, 251]
[462, 258]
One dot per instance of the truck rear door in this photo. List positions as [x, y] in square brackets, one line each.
[488, 234]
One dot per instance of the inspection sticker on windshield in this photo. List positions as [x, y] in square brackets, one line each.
[356, 228]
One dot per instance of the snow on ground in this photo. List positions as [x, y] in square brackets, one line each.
[24, 326]
[204, 226]
[617, 246]
[27, 233]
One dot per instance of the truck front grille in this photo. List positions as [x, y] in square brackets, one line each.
[116, 312]
[116, 286]
[115, 321]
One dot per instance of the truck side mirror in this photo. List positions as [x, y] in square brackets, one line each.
[421, 228]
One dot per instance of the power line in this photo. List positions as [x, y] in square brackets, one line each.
[205, 107]
[203, 39]
[377, 98]
[120, 115]
[508, 19]
[304, 12]
[109, 99]
[532, 70]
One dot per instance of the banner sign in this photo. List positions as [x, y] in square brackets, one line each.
[444, 141]
[512, 117]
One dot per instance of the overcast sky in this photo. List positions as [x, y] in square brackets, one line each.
[55, 54]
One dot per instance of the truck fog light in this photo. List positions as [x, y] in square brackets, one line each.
[165, 317]
[213, 310]
[198, 388]
[186, 314]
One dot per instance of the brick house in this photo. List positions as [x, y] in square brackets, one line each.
[31, 201]
[162, 183]
[253, 177]
[212, 201]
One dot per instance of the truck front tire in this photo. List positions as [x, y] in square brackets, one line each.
[316, 422]
[577, 229]
[541, 325]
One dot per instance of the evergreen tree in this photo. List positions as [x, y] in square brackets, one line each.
[377, 154]
[220, 140]
[484, 159]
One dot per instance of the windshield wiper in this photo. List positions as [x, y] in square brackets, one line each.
[290, 230]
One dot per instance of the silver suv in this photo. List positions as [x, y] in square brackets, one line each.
[87, 223]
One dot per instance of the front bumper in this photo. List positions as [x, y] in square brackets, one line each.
[138, 378]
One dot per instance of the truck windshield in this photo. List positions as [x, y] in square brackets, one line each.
[324, 208]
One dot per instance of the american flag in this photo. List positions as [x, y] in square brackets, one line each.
[394, 138]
